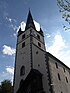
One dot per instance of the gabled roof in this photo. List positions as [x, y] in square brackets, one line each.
[50, 55]
[29, 22]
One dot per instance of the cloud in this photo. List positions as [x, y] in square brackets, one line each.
[12, 23]
[58, 44]
[15, 35]
[7, 74]
[60, 49]
[10, 19]
[3, 9]
[10, 70]
[48, 35]
[14, 27]
[8, 50]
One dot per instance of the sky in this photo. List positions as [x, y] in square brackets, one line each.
[13, 14]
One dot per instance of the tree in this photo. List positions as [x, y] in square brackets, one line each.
[64, 8]
[6, 87]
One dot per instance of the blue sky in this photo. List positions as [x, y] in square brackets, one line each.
[46, 14]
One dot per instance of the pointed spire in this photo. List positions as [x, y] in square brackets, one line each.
[29, 22]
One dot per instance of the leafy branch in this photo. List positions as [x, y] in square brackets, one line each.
[64, 8]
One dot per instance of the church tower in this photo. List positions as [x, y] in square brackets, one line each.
[30, 67]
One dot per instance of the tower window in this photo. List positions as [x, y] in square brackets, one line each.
[38, 37]
[56, 65]
[66, 80]
[61, 92]
[39, 44]
[23, 36]
[38, 65]
[59, 76]
[22, 71]
[36, 52]
[23, 44]
[64, 69]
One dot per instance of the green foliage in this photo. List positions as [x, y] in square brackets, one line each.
[6, 87]
[64, 8]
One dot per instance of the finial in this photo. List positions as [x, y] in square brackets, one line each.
[29, 8]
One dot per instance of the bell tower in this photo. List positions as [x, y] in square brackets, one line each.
[30, 63]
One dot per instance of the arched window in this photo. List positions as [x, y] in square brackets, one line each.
[59, 76]
[38, 37]
[39, 44]
[22, 71]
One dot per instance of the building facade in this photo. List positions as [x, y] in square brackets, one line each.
[37, 71]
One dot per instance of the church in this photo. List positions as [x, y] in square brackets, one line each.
[36, 70]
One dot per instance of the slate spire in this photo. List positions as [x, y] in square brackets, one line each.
[29, 22]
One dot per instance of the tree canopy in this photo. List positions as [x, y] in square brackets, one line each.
[6, 86]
